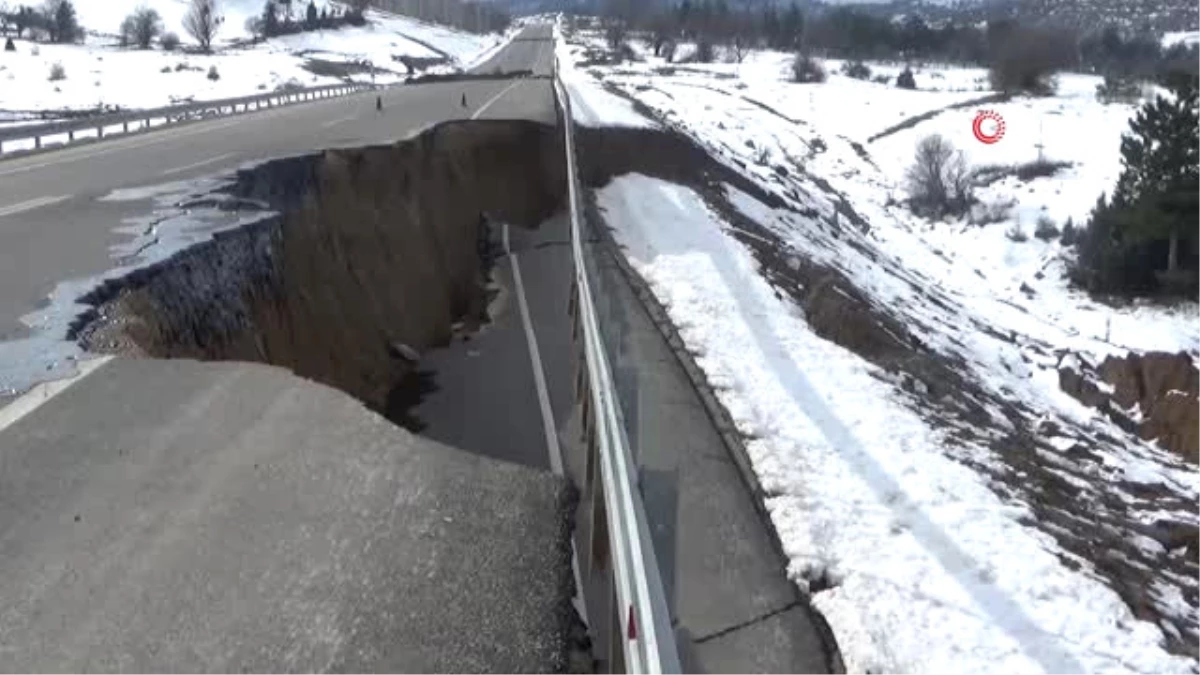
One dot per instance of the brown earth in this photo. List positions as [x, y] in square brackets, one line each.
[372, 251]
[1164, 387]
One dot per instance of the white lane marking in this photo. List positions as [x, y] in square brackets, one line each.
[31, 204]
[340, 120]
[197, 165]
[492, 100]
[535, 359]
[42, 393]
[120, 147]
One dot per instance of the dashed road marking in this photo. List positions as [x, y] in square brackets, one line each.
[40, 394]
[31, 204]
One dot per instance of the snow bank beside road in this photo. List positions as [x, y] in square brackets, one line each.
[1068, 505]
[592, 105]
[930, 571]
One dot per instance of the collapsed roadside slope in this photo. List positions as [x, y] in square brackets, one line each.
[946, 504]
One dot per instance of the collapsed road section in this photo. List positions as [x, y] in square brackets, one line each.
[202, 513]
[370, 253]
[357, 268]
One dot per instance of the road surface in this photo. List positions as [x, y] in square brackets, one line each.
[175, 515]
[169, 515]
[164, 516]
[52, 226]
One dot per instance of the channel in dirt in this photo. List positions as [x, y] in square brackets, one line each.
[369, 255]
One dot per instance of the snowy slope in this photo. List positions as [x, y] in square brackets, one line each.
[943, 550]
[100, 74]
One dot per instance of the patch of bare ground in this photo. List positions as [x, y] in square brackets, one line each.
[1087, 506]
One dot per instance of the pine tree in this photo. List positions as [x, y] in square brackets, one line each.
[684, 13]
[311, 16]
[270, 20]
[792, 29]
[64, 25]
[1160, 157]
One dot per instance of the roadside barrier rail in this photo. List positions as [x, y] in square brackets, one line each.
[138, 120]
[641, 638]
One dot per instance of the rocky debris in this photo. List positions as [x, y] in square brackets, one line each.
[1155, 395]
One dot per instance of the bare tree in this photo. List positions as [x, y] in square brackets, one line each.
[1025, 60]
[61, 21]
[743, 37]
[202, 22]
[939, 181]
[141, 27]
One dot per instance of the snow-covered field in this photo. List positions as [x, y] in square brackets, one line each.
[939, 557]
[100, 74]
[1186, 38]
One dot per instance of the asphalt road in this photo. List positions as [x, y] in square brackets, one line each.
[184, 516]
[52, 226]
[486, 395]
[175, 515]
[171, 516]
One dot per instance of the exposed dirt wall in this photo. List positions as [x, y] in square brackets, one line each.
[1155, 395]
[371, 248]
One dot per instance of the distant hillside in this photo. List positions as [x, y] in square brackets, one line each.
[1142, 16]
[1136, 16]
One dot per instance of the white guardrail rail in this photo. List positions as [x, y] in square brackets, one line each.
[640, 621]
[120, 122]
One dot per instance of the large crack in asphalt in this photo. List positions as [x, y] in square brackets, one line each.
[363, 258]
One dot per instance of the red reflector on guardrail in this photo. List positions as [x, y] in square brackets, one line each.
[631, 627]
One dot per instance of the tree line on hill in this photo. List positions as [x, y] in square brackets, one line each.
[475, 16]
[851, 33]
[55, 21]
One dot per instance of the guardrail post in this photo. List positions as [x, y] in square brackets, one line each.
[37, 142]
[100, 131]
[620, 559]
[70, 136]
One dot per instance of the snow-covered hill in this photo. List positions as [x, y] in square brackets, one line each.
[962, 517]
[99, 74]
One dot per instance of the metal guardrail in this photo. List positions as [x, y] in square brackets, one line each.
[169, 114]
[640, 617]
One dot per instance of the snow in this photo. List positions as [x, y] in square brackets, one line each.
[1188, 38]
[968, 583]
[45, 354]
[100, 74]
[592, 105]
[962, 586]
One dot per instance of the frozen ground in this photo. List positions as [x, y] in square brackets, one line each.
[99, 74]
[944, 549]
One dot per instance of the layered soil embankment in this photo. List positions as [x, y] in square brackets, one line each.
[370, 254]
